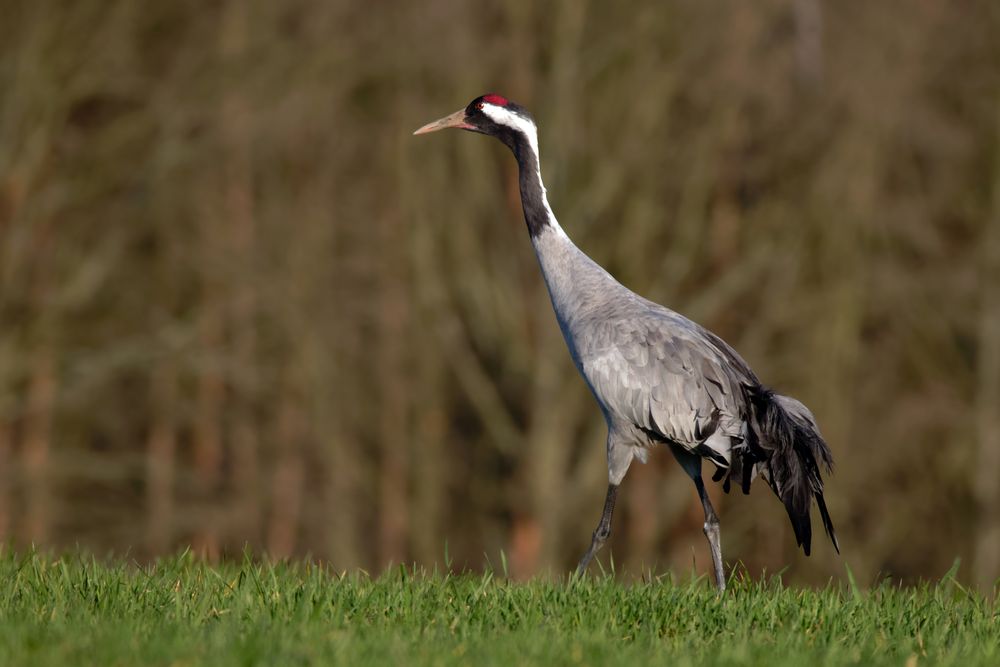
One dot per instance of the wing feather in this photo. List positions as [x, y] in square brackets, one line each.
[668, 376]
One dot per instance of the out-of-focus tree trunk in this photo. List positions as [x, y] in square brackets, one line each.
[395, 385]
[11, 196]
[209, 400]
[430, 470]
[809, 43]
[27, 138]
[288, 477]
[340, 514]
[208, 426]
[40, 403]
[643, 518]
[160, 458]
[330, 366]
[430, 463]
[347, 541]
[8, 205]
[986, 481]
[6, 440]
[238, 207]
[37, 445]
[536, 536]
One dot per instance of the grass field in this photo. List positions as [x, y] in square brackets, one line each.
[75, 610]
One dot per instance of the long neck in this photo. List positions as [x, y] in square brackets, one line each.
[537, 213]
[575, 281]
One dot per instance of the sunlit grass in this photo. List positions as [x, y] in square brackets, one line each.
[76, 610]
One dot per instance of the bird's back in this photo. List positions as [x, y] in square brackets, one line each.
[657, 375]
[667, 377]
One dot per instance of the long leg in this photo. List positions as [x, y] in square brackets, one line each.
[712, 533]
[692, 466]
[603, 529]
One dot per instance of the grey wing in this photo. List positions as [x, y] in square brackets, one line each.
[672, 379]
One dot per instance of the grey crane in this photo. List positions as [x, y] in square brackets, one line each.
[659, 378]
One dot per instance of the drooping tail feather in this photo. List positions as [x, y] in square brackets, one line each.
[786, 446]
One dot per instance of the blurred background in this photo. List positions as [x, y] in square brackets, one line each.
[241, 305]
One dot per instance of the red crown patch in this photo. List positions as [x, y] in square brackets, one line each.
[498, 100]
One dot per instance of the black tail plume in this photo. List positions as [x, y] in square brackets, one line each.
[786, 445]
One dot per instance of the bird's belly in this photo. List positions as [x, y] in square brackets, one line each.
[647, 408]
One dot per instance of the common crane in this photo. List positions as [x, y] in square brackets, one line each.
[659, 378]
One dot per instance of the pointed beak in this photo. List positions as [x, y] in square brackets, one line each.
[456, 120]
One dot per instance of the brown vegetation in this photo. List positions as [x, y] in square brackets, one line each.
[239, 304]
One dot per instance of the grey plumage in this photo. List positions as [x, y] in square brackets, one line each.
[661, 378]
[658, 377]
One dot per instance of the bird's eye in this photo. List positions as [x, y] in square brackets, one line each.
[480, 106]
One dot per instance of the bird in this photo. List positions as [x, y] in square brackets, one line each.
[659, 378]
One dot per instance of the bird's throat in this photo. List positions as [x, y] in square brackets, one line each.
[537, 213]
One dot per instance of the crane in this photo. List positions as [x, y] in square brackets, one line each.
[658, 377]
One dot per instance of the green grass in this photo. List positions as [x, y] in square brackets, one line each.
[76, 610]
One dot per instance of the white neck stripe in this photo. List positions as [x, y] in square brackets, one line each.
[502, 116]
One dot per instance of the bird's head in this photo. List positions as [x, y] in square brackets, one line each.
[494, 115]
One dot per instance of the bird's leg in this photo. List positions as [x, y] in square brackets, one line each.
[603, 529]
[712, 533]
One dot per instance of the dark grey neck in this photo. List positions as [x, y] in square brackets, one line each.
[536, 212]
